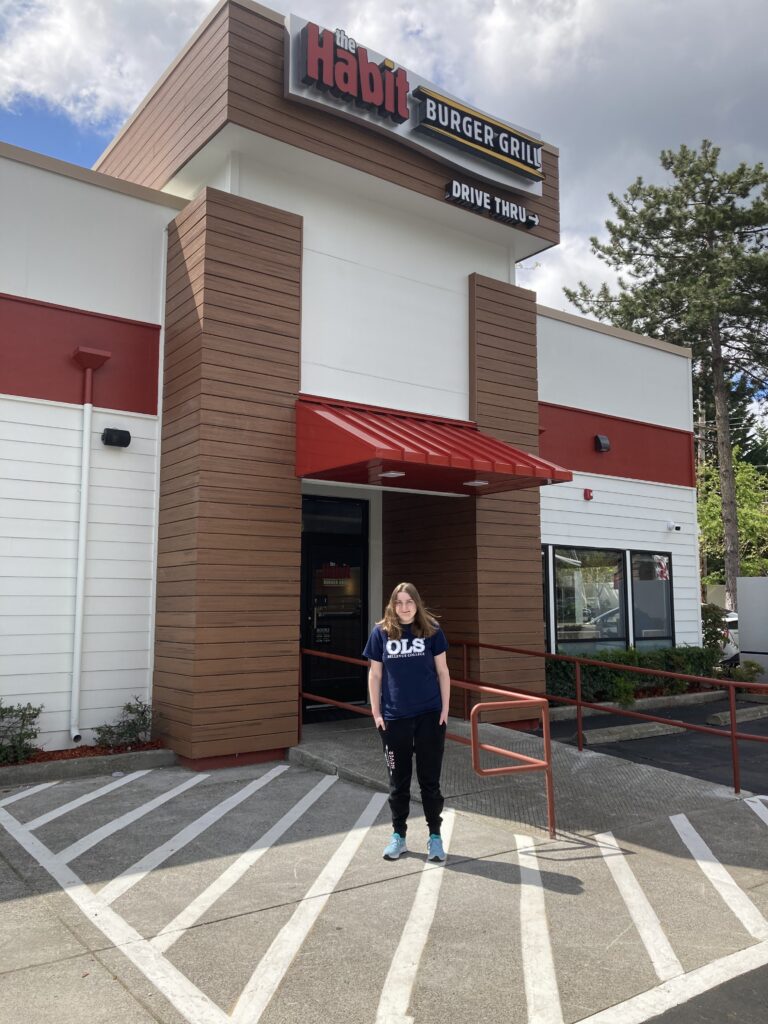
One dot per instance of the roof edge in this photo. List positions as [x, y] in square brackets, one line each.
[90, 177]
[249, 5]
[614, 332]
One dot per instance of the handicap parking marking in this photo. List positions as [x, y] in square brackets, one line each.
[25, 792]
[79, 801]
[541, 988]
[192, 913]
[396, 994]
[756, 804]
[538, 1000]
[273, 966]
[78, 848]
[722, 881]
[193, 1004]
[152, 860]
[647, 1005]
[663, 958]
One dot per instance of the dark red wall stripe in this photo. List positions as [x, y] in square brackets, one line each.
[37, 343]
[642, 451]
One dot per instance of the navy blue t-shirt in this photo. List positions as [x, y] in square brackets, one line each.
[409, 682]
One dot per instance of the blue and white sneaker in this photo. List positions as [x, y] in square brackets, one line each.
[435, 849]
[395, 847]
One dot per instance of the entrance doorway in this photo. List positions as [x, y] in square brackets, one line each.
[334, 600]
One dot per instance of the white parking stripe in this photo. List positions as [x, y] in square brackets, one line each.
[396, 994]
[79, 848]
[734, 897]
[677, 991]
[86, 799]
[128, 878]
[541, 991]
[757, 805]
[193, 1005]
[657, 944]
[272, 967]
[166, 937]
[25, 792]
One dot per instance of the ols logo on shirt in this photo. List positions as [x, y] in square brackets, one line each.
[406, 648]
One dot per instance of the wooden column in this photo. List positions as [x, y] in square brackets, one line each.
[504, 402]
[229, 552]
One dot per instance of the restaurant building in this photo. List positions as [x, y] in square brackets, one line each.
[268, 359]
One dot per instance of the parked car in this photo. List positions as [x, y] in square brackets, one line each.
[730, 645]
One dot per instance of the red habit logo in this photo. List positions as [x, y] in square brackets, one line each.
[333, 62]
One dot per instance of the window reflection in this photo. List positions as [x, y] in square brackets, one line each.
[589, 599]
[652, 599]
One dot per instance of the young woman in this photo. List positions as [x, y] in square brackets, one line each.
[410, 690]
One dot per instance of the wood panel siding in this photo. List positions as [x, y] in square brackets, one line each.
[504, 401]
[184, 110]
[229, 550]
[430, 541]
[232, 72]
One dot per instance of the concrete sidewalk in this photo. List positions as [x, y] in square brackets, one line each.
[594, 792]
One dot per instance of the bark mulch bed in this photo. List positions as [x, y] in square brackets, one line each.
[75, 752]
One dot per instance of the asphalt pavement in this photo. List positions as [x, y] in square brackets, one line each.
[699, 755]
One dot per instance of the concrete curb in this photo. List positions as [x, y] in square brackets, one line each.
[559, 714]
[301, 757]
[84, 767]
[621, 733]
[742, 715]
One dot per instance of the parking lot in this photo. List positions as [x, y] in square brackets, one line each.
[259, 893]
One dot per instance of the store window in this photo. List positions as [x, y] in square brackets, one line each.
[652, 600]
[590, 600]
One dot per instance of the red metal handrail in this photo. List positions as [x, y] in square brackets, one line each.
[730, 684]
[514, 699]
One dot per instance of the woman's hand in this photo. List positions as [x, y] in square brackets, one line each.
[374, 688]
[443, 717]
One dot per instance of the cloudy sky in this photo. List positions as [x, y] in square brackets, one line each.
[610, 82]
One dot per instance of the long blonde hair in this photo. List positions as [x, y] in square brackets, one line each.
[424, 623]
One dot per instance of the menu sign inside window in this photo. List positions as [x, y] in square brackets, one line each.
[330, 69]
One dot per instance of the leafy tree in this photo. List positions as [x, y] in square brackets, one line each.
[752, 502]
[696, 265]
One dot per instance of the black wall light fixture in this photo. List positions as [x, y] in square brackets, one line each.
[602, 443]
[115, 438]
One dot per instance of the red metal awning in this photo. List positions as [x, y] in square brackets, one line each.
[360, 445]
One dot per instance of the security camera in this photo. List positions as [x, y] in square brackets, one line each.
[672, 525]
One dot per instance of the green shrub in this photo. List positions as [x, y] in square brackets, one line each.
[18, 731]
[746, 672]
[134, 726]
[608, 684]
[712, 627]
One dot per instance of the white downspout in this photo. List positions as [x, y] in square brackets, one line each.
[90, 360]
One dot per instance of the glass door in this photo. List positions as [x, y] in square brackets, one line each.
[334, 601]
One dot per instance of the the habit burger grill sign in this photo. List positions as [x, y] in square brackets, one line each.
[329, 68]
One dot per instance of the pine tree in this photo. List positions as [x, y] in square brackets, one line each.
[695, 259]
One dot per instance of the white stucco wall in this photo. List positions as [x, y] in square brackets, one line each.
[384, 297]
[385, 292]
[75, 244]
[588, 369]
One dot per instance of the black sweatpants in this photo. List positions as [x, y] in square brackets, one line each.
[424, 736]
